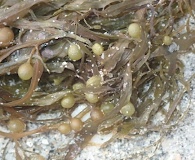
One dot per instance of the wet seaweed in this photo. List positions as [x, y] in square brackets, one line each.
[144, 72]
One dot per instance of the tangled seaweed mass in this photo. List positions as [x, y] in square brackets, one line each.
[115, 57]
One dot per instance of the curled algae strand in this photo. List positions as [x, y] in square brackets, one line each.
[97, 67]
